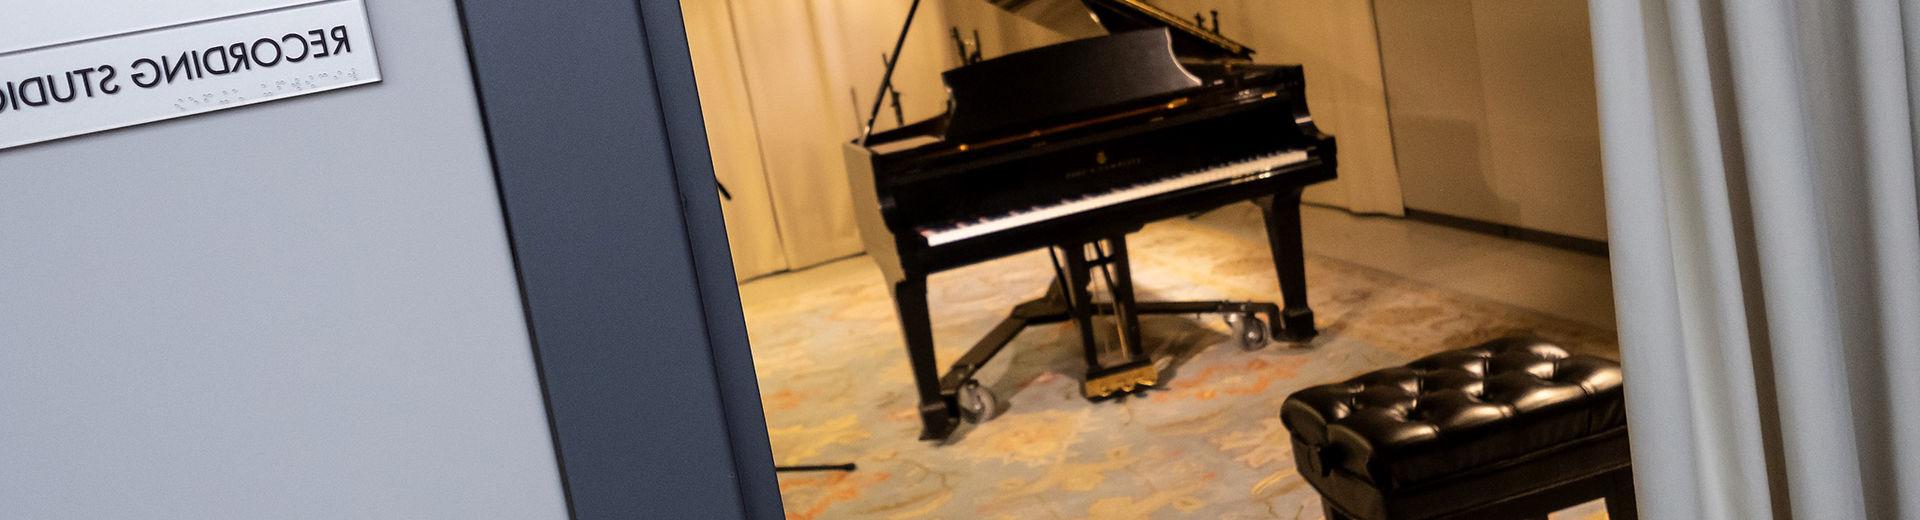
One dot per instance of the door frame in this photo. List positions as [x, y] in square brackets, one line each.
[600, 156]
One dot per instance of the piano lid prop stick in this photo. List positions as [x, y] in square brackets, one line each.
[886, 80]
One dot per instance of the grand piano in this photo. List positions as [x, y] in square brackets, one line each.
[1069, 148]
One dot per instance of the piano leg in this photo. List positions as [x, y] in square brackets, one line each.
[1282, 213]
[937, 410]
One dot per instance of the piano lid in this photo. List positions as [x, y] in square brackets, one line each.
[1085, 18]
[1017, 91]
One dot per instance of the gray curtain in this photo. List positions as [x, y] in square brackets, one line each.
[1766, 250]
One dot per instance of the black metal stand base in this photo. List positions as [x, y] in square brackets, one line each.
[1134, 373]
[815, 467]
[947, 399]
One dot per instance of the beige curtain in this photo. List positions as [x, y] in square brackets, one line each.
[779, 84]
[789, 80]
[751, 229]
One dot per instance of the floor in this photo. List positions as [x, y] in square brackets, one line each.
[1555, 281]
[1206, 444]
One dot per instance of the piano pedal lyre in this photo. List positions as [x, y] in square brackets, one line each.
[1109, 258]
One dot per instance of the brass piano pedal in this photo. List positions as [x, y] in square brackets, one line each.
[1122, 379]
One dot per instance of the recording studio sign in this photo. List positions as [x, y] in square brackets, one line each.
[101, 83]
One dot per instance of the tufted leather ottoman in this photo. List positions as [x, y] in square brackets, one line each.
[1514, 428]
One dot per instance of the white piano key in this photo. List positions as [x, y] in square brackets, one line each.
[1174, 183]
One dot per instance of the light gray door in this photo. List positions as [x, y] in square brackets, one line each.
[301, 309]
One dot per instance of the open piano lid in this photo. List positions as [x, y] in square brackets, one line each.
[1026, 89]
[1071, 17]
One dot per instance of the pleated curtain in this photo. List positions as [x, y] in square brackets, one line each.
[752, 232]
[1759, 160]
[782, 84]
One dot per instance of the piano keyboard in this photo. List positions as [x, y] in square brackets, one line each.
[1170, 184]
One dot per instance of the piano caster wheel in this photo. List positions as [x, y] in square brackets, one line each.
[1251, 331]
[977, 403]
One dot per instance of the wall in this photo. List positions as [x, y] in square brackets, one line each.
[303, 309]
[1493, 111]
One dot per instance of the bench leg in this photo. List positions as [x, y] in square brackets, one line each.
[1332, 514]
[1620, 501]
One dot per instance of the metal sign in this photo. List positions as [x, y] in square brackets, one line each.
[97, 83]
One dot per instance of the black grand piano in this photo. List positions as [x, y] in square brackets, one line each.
[1070, 147]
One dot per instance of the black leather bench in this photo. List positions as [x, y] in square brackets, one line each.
[1514, 428]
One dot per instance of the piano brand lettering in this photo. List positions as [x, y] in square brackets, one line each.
[1101, 164]
[154, 71]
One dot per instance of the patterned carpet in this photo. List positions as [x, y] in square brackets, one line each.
[1208, 444]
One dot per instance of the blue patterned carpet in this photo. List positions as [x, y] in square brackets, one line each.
[1207, 444]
